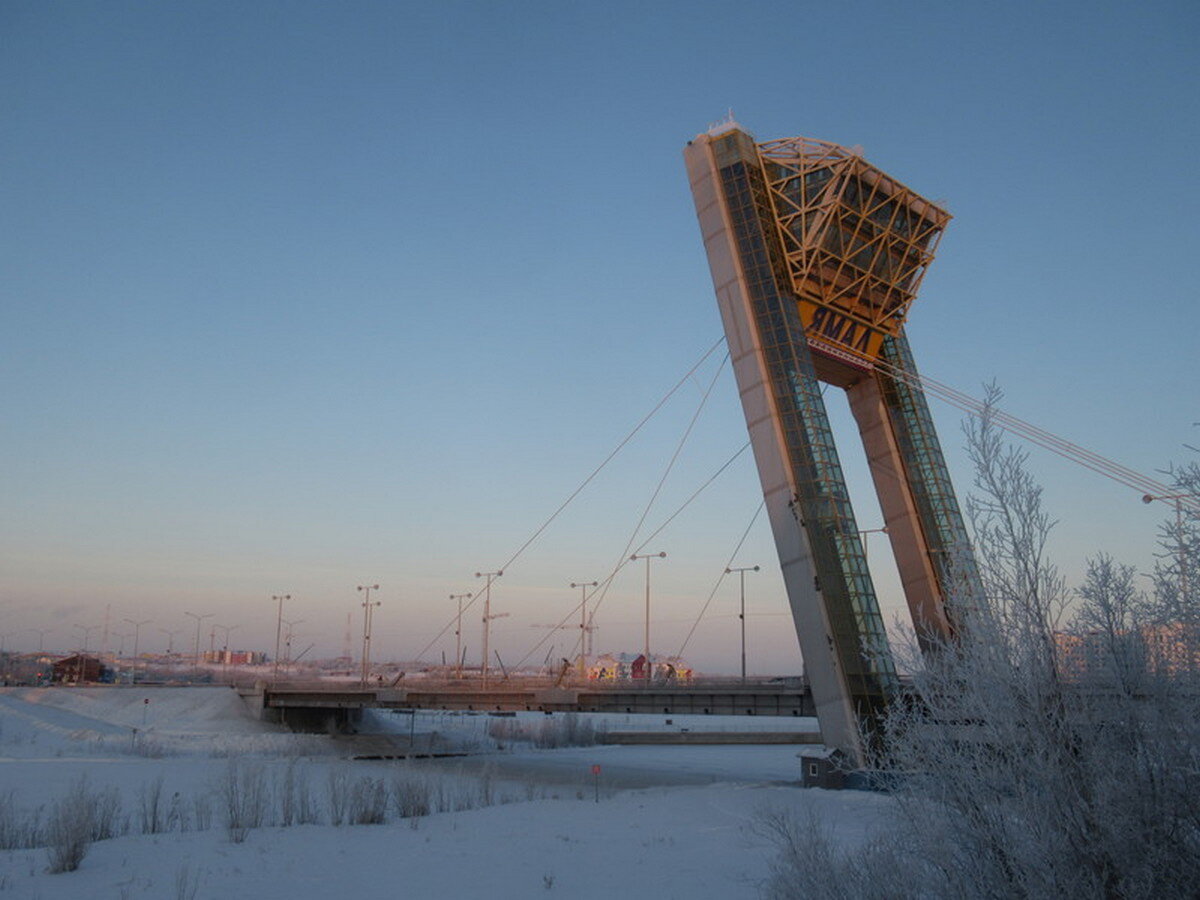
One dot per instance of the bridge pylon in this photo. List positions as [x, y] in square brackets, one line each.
[816, 257]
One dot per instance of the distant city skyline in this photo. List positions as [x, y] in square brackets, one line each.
[301, 297]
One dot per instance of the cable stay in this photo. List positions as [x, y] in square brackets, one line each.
[624, 561]
[1047, 440]
[602, 590]
[721, 578]
[596, 471]
[691, 372]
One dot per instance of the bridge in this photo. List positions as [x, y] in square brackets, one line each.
[322, 707]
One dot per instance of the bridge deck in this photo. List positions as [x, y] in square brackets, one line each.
[762, 700]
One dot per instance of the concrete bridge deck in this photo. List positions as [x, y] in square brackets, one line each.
[325, 707]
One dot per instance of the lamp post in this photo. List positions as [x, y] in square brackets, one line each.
[196, 652]
[287, 640]
[487, 618]
[137, 630]
[1181, 551]
[87, 630]
[742, 615]
[41, 633]
[278, 598]
[583, 623]
[366, 650]
[458, 633]
[170, 633]
[225, 646]
[647, 557]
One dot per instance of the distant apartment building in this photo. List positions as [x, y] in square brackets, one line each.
[1171, 649]
[235, 657]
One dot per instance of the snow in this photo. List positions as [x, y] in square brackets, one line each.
[666, 821]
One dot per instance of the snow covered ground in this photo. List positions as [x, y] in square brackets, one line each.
[507, 820]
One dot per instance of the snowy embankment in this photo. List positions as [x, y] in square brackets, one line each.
[187, 775]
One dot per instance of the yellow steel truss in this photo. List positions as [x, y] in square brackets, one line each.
[857, 241]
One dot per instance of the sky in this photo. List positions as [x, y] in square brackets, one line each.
[298, 297]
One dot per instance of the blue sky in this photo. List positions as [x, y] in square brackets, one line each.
[298, 296]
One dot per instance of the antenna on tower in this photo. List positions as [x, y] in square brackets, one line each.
[722, 125]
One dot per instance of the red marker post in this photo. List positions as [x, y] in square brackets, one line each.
[596, 780]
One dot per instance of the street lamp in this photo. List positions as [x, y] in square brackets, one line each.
[1181, 550]
[196, 653]
[41, 633]
[287, 640]
[458, 633]
[583, 625]
[279, 598]
[225, 646]
[366, 651]
[170, 633]
[487, 618]
[647, 557]
[742, 615]
[87, 630]
[137, 630]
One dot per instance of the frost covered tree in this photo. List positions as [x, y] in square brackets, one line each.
[1177, 571]
[1013, 777]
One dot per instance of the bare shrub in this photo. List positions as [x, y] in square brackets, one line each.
[811, 863]
[106, 820]
[19, 829]
[294, 797]
[339, 796]
[177, 815]
[69, 829]
[368, 802]
[202, 812]
[487, 787]
[287, 795]
[150, 806]
[306, 808]
[187, 883]
[442, 800]
[244, 799]
[411, 796]
[567, 730]
[148, 746]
